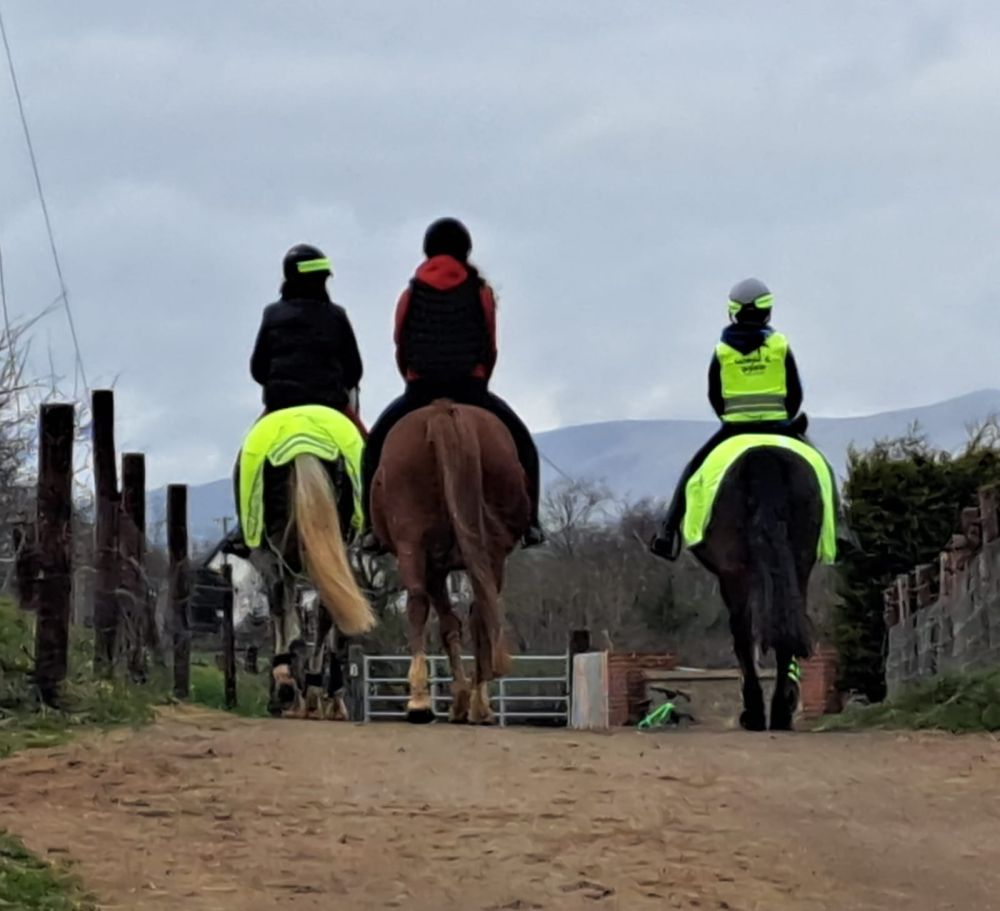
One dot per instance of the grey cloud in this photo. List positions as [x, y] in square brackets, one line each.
[621, 165]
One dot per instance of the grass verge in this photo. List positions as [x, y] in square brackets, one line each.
[959, 703]
[208, 688]
[25, 722]
[30, 884]
[86, 702]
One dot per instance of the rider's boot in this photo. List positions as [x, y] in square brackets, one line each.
[533, 536]
[666, 542]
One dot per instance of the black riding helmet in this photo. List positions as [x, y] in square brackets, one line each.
[305, 260]
[448, 237]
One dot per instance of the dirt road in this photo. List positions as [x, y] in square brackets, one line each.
[206, 812]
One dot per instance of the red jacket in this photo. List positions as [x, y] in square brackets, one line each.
[444, 273]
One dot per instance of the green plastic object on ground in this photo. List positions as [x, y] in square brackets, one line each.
[660, 716]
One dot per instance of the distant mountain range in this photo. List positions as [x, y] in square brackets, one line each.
[637, 459]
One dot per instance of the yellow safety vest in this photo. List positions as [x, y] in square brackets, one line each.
[754, 385]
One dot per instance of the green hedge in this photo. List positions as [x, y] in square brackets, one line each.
[903, 499]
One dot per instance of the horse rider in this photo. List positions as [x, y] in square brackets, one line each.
[446, 348]
[753, 386]
[306, 352]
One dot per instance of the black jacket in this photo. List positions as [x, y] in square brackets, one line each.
[746, 338]
[306, 354]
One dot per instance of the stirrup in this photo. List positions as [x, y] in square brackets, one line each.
[533, 537]
[369, 543]
[666, 544]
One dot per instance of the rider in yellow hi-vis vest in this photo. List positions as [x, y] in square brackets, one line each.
[753, 385]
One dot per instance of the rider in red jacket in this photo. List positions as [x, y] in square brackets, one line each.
[445, 334]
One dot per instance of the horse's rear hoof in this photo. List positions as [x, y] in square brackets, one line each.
[420, 716]
[750, 722]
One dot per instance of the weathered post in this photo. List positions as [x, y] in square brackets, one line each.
[180, 587]
[105, 605]
[132, 543]
[228, 638]
[579, 642]
[54, 585]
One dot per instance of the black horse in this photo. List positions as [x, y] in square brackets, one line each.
[762, 544]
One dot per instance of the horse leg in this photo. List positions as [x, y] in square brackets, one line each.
[786, 693]
[288, 647]
[451, 640]
[418, 607]
[492, 660]
[265, 563]
[741, 625]
[480, 710]
[336, 706]
[315, 694]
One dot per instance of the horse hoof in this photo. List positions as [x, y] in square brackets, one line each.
[751, 722]
[420, 716]
[453, 719]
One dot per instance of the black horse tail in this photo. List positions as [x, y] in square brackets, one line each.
[777, 605]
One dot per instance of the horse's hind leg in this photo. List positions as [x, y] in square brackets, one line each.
[753, 717]
[336, 706]
[316, 706]
[451, 639]
[286, 675]
[786, 693]
[418, 607]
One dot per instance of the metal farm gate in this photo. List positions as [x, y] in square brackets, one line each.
[540, 695]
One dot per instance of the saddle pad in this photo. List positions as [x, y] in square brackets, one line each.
[706, 481]
[279, 437]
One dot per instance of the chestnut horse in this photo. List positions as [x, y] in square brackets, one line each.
[450, 494]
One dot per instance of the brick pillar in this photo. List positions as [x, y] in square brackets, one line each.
[819, 695]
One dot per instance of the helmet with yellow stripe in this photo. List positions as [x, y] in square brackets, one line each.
[750, 301]
[306, 260]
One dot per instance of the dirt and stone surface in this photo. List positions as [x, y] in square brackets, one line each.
[203, 811]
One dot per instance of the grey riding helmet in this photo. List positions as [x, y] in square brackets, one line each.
[751, 293]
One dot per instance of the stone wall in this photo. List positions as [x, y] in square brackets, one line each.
[946, 617]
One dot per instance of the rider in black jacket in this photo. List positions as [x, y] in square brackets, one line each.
[306, 352]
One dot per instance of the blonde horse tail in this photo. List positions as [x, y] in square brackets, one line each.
[323, 550]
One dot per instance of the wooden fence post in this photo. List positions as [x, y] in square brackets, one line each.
[54, 586]
[180, 587]
[106, 603]
[228, 638]
[132, 542]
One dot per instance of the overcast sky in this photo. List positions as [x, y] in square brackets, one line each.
[620, 166]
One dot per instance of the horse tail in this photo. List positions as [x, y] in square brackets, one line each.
[777, 605]
[323, 551]
[458, 456]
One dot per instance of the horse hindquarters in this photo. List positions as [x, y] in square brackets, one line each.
[459, 462]
[317, 520]
[777, 603]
